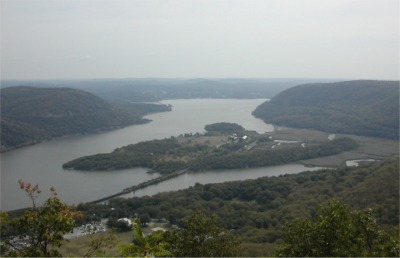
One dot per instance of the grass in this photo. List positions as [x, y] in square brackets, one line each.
[78, 247]
[369, 147]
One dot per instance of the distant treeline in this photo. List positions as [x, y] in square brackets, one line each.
[369, 108]
[156, 89]
[257, 209]
[224, 127]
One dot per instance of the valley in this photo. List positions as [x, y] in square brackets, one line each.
[168, 168]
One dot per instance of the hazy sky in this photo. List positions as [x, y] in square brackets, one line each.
[267, 38]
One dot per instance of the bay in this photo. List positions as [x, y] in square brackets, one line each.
[42, 163]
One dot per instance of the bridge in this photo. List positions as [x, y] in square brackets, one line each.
[143, 185]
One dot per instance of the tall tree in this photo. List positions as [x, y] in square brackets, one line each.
[202, 236]
[338, 231]
[41, 229]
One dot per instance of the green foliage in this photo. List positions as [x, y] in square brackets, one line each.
[260, 158]
[224, 127]
[168, 155]
[40, 229]
[99, 243]
[201, 236]
[119, 226]
[369, 108]
[142, 154]
[142, 245]
[30, 115]
[257, 209]
[338, 232]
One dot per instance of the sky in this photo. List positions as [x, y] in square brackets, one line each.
[76, 39]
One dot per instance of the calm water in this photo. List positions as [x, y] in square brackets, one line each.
[42, 163]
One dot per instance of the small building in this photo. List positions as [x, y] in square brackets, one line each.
[126, 220]
[158, 229]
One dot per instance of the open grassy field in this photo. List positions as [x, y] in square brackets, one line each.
[369, 147]
[79, 246]
[284, 137]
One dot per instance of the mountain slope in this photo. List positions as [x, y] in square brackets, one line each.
[30, 114]
[369, 108]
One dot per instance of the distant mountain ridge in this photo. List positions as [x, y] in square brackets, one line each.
[369, 108]
[156, 89]
[31, 114]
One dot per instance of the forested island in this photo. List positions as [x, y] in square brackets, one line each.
[30, 115]
[225, 146]
[369, 108]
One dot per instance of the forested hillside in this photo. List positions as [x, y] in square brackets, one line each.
[30, 115]
[256, 210]
[369, 108]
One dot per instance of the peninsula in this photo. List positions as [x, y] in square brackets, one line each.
[219, 148]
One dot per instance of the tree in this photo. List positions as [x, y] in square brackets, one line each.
[144, 219]
[202, 236]
[142, 245]
[40, 229]
[338, 231]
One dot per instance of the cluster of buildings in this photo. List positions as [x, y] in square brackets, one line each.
[235, 138]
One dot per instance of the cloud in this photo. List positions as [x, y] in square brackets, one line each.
[210, 38]
[85, 58]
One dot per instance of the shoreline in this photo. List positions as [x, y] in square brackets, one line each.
[97, 131]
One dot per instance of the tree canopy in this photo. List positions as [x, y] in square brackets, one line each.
[40, 230]
[338, 232]
[170, 155]
[30, 114]
[256, 210]
[369, 108]
[224, 127]
[202, 236]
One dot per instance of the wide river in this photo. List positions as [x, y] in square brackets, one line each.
[42, 163]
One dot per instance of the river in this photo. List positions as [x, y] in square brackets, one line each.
[42, 163]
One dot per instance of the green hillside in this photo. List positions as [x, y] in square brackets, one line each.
[256, 210]
[369, 108]
[30, 114]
